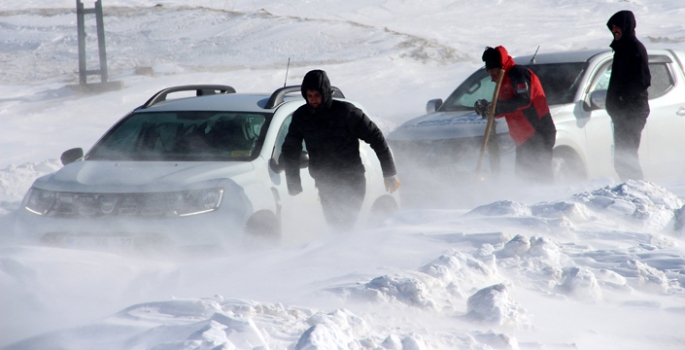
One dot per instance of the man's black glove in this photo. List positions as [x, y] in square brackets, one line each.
[482, 107]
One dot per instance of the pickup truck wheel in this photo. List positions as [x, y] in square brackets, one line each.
[263, 224]
[567, 166]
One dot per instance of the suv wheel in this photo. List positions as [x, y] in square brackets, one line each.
[263, 224]
[382, 209]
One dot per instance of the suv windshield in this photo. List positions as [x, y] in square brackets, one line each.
[559, 80]
[184, 136]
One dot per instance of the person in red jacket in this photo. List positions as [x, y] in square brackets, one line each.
[523, 104]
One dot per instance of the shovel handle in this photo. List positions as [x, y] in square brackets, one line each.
[491, 120]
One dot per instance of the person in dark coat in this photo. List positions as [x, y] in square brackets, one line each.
[331, 131]
[522, 102]
[626, 100]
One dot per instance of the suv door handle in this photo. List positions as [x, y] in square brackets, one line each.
[681, 111]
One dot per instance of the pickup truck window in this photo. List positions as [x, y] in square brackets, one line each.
[478, 86]
[662, 79]
[601, 79]
[559, 80]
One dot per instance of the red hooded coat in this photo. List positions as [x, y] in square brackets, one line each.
[522, 101]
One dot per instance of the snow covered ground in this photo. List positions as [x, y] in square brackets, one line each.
[600, 265]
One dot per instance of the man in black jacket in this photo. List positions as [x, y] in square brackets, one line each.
[331, 131]
[626, 100]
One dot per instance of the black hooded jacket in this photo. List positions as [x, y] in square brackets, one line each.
[331, 134]
[630, 77]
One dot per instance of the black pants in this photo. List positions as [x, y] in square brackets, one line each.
[627, 134]
[534, 159]
[341, 197]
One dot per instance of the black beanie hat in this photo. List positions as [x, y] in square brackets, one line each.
[492, 58]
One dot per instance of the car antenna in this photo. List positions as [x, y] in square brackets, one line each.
[286, 72]
[532, 60]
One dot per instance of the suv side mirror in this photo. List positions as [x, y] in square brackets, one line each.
[598, 100]
[71, 155]
[433, 105]
[277, 166]
[304, 160]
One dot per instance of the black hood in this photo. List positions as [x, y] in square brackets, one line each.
[318, 80]
[624, 20]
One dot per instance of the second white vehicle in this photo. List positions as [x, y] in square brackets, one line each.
[447, 140]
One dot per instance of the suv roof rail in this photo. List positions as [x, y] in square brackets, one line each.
[279, 95]
[200, 90]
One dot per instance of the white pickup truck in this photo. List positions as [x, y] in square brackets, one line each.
[447, 140]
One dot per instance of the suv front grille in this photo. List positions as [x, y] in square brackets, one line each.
[146, 205]
[124, 205]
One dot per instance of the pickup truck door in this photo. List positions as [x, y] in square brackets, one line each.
[665, 127]
[599, 129]
[661, 147]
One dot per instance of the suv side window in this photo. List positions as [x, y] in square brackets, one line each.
[280, 138]
[282, 132]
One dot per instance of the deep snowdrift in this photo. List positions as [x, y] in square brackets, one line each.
[615, 246]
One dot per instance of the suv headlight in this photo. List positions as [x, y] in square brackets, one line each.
[195, 202]
[39, 201]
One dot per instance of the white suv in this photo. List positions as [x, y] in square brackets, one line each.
[187, 171]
